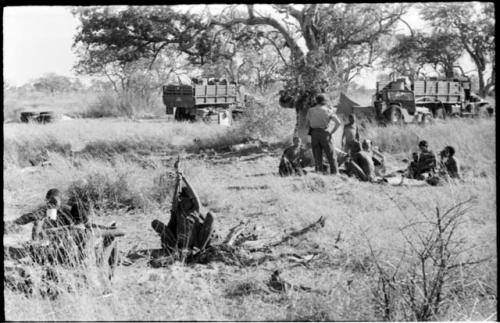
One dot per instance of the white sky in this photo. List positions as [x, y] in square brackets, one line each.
[38, 40]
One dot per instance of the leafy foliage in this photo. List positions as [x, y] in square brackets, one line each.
[474, 28]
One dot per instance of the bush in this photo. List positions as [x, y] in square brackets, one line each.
[433, 269]
[99, 191]
[268, 119]
[32, 152]
[125, 104]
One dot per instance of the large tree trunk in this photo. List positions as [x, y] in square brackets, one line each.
[300, 126]
[481, 83]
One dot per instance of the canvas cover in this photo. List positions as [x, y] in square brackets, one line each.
[345, 105]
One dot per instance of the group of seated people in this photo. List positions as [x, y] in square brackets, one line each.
[362, 159]
[425, 165]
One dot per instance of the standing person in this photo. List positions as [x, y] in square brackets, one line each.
[350, 134]
[318, 120]
[292, 159]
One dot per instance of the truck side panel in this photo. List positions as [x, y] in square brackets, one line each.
[180, 96]
[224, 94]
[444, 91]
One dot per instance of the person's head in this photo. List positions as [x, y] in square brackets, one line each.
[53, 203]
[53, 198]
[356, 147]
[448, 151]
[296, 141]
[321, 99]
[366, 145]
[352, 118]
[423, 145]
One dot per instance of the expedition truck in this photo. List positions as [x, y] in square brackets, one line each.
[217, 102]
[398, 101]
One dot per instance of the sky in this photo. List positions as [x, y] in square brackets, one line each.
[37, 40]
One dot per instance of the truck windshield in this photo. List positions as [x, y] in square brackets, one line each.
[399, 96]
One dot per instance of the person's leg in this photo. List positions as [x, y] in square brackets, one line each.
[327, 145]
[356, 171]
[168, 240]
[316, 149]
[111, 252]
[205, 231]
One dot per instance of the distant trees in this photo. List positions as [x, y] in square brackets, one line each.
[412, 52]
[473, 26]
[53, 83]
[321, 45]
[310, 47]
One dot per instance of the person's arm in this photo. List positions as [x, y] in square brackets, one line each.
[192, 192]
[175, 198]
[357, 132]
[337, 122]
[30, 217]
[342, 141]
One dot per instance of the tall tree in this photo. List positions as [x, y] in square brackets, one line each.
[474, 26]
[411, 53]
[405, 56]
[318, 42]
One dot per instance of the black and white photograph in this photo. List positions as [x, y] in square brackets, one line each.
[250, 162]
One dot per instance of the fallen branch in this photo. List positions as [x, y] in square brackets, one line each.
[265, 244]
[234, 233]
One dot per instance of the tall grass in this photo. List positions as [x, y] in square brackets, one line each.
[71, 104]
[125, 104]
[473, 139]
[239, 189]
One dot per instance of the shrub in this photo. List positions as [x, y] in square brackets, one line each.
[125, 104]
[101, 192]
[32, 152]
[268, 119]
[433, 266]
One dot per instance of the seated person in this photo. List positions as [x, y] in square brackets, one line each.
[52, 215]
[361, 163]
[65, 231]
[292, 159]
[425, 162]
[187, 228]
[449, 163]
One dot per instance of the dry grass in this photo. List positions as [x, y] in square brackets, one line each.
[240, 188]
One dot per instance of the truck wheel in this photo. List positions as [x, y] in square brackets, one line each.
[482, 111]
[395, 116]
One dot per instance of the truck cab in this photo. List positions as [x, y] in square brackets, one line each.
[395, 103]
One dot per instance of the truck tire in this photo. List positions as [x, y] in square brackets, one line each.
[482, 111]
[394, 116]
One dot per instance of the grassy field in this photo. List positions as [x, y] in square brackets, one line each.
[125, 156]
